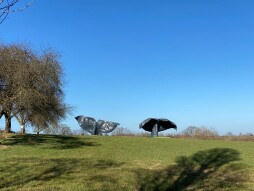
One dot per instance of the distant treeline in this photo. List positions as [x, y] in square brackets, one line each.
[191, 132]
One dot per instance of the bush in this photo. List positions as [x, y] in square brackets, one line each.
[121, 131]
[193, 131]
[61, 129]
[1, 130]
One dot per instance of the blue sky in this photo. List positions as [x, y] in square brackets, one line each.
[189, 61]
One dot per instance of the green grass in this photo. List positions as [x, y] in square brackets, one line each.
[94, 163]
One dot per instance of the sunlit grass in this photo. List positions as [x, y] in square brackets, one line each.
[124, 163]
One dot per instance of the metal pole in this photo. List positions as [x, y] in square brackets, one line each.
[154, 132]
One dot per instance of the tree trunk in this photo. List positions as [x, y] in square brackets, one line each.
[7, 123]
[22, 123]
[23, 129]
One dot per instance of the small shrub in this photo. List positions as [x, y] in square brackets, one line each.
[193, 131]
[121, 131]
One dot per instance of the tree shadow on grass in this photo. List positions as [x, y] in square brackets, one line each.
[52, 174]
[215, 169]
[50, 141]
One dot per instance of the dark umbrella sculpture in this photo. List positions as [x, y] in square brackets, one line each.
[154, 125]
[94, 127]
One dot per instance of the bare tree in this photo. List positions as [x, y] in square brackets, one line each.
[11, 6]
[12, 61]
[193, 131]
[121, 131]
[31, 87]
[61, 129]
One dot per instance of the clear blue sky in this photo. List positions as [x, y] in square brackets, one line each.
[189, 61]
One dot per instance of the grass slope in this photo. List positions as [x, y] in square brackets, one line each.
[51, 162]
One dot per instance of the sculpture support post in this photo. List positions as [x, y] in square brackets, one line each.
[154, 132]
[97, 130]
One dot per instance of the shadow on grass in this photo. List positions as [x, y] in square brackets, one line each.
[56, 174]
[51, 141]
[215, 169]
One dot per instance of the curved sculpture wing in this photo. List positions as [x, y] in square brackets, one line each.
[87, 123]
[106, 126]
[164, 124]
[148, 124]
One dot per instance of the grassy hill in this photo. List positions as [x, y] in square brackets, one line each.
[50, 162]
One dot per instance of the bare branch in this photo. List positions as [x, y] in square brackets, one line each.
[6, 8]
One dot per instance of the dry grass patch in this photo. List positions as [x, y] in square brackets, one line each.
[4, 147]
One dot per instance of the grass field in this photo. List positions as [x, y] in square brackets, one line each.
[51, 162]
